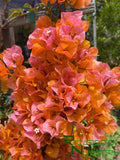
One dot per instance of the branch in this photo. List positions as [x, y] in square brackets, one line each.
[35, 1]
[30, 3]
[12, 19]
[4, 4]
[2, 11]
[2, 17]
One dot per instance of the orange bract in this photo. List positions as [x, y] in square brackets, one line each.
[53, 150]
[67, 48]
[79, 3]
[3, 70]
[3, 76]
[76, 3]
[85, 25]
[37, 49]
[61, 1]
[43, 22]
[4, 85]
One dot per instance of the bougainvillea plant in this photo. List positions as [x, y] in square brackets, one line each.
[66, 91]
[76, 3]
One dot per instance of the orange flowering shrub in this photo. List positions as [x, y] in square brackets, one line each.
[66, 91]
[76, 3]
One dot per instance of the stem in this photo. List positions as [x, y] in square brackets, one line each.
[2, 11]
[30, 3]
[35, 3]
[2, 17]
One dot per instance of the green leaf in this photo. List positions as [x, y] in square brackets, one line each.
[109, 153]
[113, 147]
[16, 12]
[8, 158]
[118, 142]
[2, 114]
[1, 156]
[27, 5]
[115, 118]
[10, 111]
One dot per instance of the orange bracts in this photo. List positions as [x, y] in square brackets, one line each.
[64, 92]
[79, 3]
[76, 3]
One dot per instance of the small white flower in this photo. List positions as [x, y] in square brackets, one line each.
[36, 130]
[48, 31]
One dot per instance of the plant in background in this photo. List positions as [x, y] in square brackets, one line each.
[108, 30]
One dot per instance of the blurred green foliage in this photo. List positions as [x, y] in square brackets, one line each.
[108, 31]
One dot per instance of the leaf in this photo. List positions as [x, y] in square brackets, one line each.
[108, 153]
[12, 9]
[1, 155]
[113, 147]
[118, 129]
[115, 118]
[27, 5]
[2, 114]
[39, 5]
[8, 158]
[10, 111]
[16, 12]
[118, 142]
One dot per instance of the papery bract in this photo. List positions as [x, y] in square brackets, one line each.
[43, 21]
[80, 4]
[3, 70]
[72, 18]
[14, 57]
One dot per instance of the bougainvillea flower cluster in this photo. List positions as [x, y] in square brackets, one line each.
[76, 3]
[66, 91]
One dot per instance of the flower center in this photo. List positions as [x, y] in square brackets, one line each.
[36, 130]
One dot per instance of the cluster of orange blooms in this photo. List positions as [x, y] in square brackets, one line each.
[76, 3]
[66, 91]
